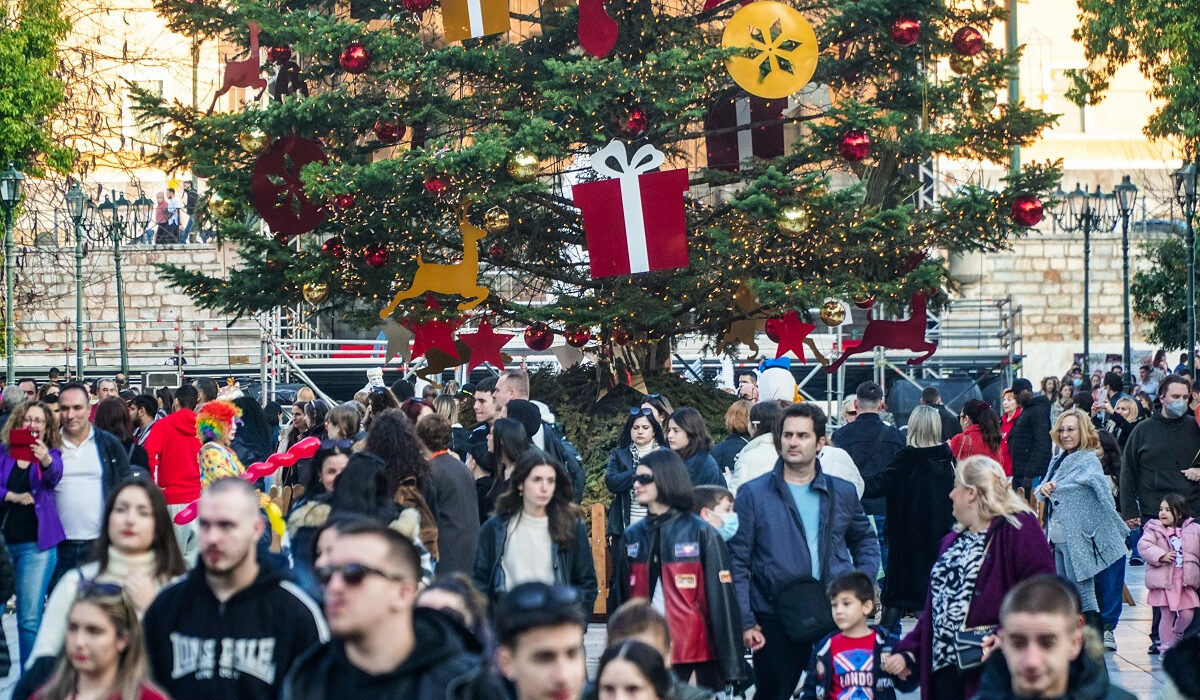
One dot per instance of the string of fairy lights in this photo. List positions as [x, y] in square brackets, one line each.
[467, 109]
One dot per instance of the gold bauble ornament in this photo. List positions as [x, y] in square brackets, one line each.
[315, 292]
[496, 220]
[982, 101]
[523, 165]
[833, 313]
[253, 141]
[777, 49]
[961, 64]
[793, 219]
[220, 207]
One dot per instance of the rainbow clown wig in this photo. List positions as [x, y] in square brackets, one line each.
[216, 420]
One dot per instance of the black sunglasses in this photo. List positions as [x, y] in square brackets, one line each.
[637, 410]
[344, 444]
[654, 396]
[92, 587]
[352, 573]
[644, 479]
[539, 598]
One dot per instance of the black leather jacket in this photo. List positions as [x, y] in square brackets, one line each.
[573, 566]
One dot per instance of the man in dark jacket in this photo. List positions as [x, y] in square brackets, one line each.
[383, 645]
[1159, 456]
[514, 384]
[1029, 440]
[454, 503]
[872, 444]
[951, 425]
[231, 628]
[541, 652]
[1045, 654]
[795, 523]
[94, 462]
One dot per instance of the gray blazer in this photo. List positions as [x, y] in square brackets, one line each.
[1092, 532]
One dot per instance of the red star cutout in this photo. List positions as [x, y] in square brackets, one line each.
[485, 345]
[433, 334]
[792, 332]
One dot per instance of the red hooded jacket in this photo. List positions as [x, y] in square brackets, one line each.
[174, 453]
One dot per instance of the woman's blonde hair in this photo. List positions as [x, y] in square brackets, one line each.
[16, 419]
[1089, 439]
[924, 427]
[737, 418]
[131, 663]
[996, 497]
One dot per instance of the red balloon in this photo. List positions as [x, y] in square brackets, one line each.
[258, 470]
[967, 41]
[855, 145]
[539, 336]
[355, 58]
[279, 54]
[578, 337]
[389, 130]
[334, 247]
[282, 459]
[1027, 210]
[307, 447]
[376, 256]
[905, 31]
[188, 514]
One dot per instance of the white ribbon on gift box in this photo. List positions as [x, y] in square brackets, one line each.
[475, 17]
[627, 172]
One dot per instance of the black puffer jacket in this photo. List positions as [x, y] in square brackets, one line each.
[1029, 441]
[618, 478]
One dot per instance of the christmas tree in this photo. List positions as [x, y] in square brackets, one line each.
[395, 145]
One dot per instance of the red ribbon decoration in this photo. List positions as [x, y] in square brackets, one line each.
[301, 450]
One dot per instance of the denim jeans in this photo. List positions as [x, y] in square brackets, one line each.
[1110, 587]
[32, 568]
[1086, 587]
[71, 554]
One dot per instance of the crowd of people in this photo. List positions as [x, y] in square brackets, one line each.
[411, 556]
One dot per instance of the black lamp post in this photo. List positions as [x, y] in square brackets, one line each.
[1185, 195]
[10, 195]
[1087, 212]
[116, 215]
[1126, 194]
[78, 205]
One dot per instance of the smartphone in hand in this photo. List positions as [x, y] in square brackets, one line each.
[20, 441]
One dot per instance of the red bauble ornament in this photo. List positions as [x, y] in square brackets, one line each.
[355, 58]
[435, 185]
[773, 326]
[1027, 210]
[334, 248]
[633, 122]
[905, 31]
[864, 302]
[279, 54]
[538, 336]
[855, 145]
[620, 337]
[578, 337]
[376, 256]
[343, 201]
[417, 6]
[389, 130]
[968, 41]
[282, 237]
[496, 251]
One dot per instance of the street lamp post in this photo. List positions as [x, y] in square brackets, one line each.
[115, 212]
[1185, 195]
[1126, 194]
[10, 194]
[1088, 212]
[77, 204]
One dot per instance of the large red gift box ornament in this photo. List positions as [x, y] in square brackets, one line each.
[634, 221]
[728, 148]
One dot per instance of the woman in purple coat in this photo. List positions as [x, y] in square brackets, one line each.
[996, 543]
[28, 516]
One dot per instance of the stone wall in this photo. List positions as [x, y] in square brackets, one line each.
[158, 317]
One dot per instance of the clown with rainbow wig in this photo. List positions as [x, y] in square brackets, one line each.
[216, 424]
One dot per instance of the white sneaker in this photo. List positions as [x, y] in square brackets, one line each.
[1110, 641]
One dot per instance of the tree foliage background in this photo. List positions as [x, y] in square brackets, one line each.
[29, 89]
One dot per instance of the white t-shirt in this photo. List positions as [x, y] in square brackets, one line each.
[79, 496]
[529, 554]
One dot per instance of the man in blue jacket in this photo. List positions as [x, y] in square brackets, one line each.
[797, 526]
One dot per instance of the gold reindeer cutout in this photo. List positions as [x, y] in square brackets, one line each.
[458, 278]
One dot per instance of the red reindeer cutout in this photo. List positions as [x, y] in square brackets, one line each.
[243, 74]
[908, 334]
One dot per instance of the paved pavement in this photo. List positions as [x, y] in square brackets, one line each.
[1130, 667]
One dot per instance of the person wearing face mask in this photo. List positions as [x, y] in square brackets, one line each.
[714, 505]
[680, 564]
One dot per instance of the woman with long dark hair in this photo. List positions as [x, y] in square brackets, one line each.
[688, 437]
[392, 439]
[981, 432]
[104, 656]
[536, 534]
[640, 436]
[137, 552]
[315, 412]
[676, 560]
[294, 432]
[379, 399]
[632, 668]
[252, 443]
[113, 416]
[166, 401]
[507, 442]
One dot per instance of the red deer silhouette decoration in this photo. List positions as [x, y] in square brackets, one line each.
[243, 74]
[908, 334]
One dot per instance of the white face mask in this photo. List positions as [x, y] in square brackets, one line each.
[1176, 408]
